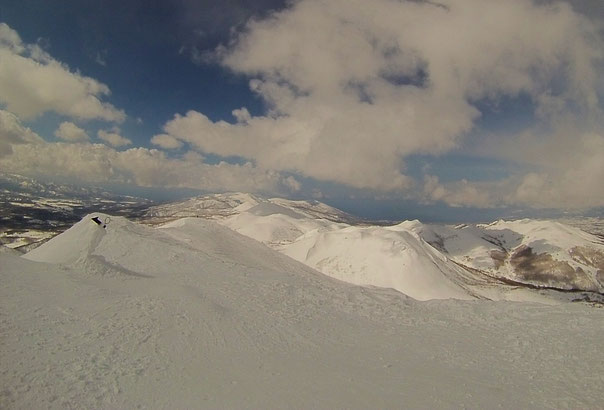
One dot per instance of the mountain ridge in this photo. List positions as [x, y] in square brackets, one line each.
[477, 260]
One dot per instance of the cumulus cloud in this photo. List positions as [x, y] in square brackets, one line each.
[292, 183]
[113, 138]
[68, 131]
[568, 171]
[166, 141]
[459, 194]
[13, 132]
[354, 87]
[32, 83]
[22, 151]
[572, 178]
[98, 163]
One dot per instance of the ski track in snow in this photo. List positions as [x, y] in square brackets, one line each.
[194, 315]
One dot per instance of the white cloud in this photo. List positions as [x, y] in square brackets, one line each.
[354, 87]
[32, 83]
[98, 163]
[568, 174]
[574, 178]
[166, 141]
[13, 132]
[101, 58]
[559, 166]
[458, 194]
[68, 131]
[292, 184]
[24, 152]
[113, 138]
[10, 39]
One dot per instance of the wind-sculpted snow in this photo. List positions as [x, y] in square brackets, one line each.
[194, 315]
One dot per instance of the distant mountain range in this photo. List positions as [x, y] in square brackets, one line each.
[517, 260]
[32, 211]
[221, 206]
[502, 260]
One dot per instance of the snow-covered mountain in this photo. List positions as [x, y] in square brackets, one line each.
[220, 206]
[194, 315]
[503, 260]
[532, 252]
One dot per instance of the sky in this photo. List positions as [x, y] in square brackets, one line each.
[456, 109]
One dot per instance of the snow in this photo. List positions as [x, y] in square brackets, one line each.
[220, 206]
[545, 236]
[194, 315]
[380, 257]
[22, 204]
[374, 256]
[473, 246]
[431, 261]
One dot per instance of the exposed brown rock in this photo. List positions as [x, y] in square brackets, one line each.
[499, 258]
[590, 257]
[544, 269]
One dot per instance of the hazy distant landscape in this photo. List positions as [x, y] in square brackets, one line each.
[32, 211]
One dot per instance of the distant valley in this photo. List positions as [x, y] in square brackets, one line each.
[32, 211]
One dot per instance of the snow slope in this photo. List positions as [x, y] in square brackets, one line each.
[382, 257]
[533, 252]
[276, 225]
[436, 262]
[220, 206]
[194, 315]
[362, 255]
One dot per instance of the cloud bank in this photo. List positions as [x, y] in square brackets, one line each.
[32, 83]
[98, 163]
[354, 87]
[23, 152]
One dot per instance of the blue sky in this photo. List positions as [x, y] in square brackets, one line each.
[142, 51]
[465, 109]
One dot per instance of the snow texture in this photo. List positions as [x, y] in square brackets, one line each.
[195, 315]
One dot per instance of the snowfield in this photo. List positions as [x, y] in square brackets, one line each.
[500, 261]
[194, 315]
